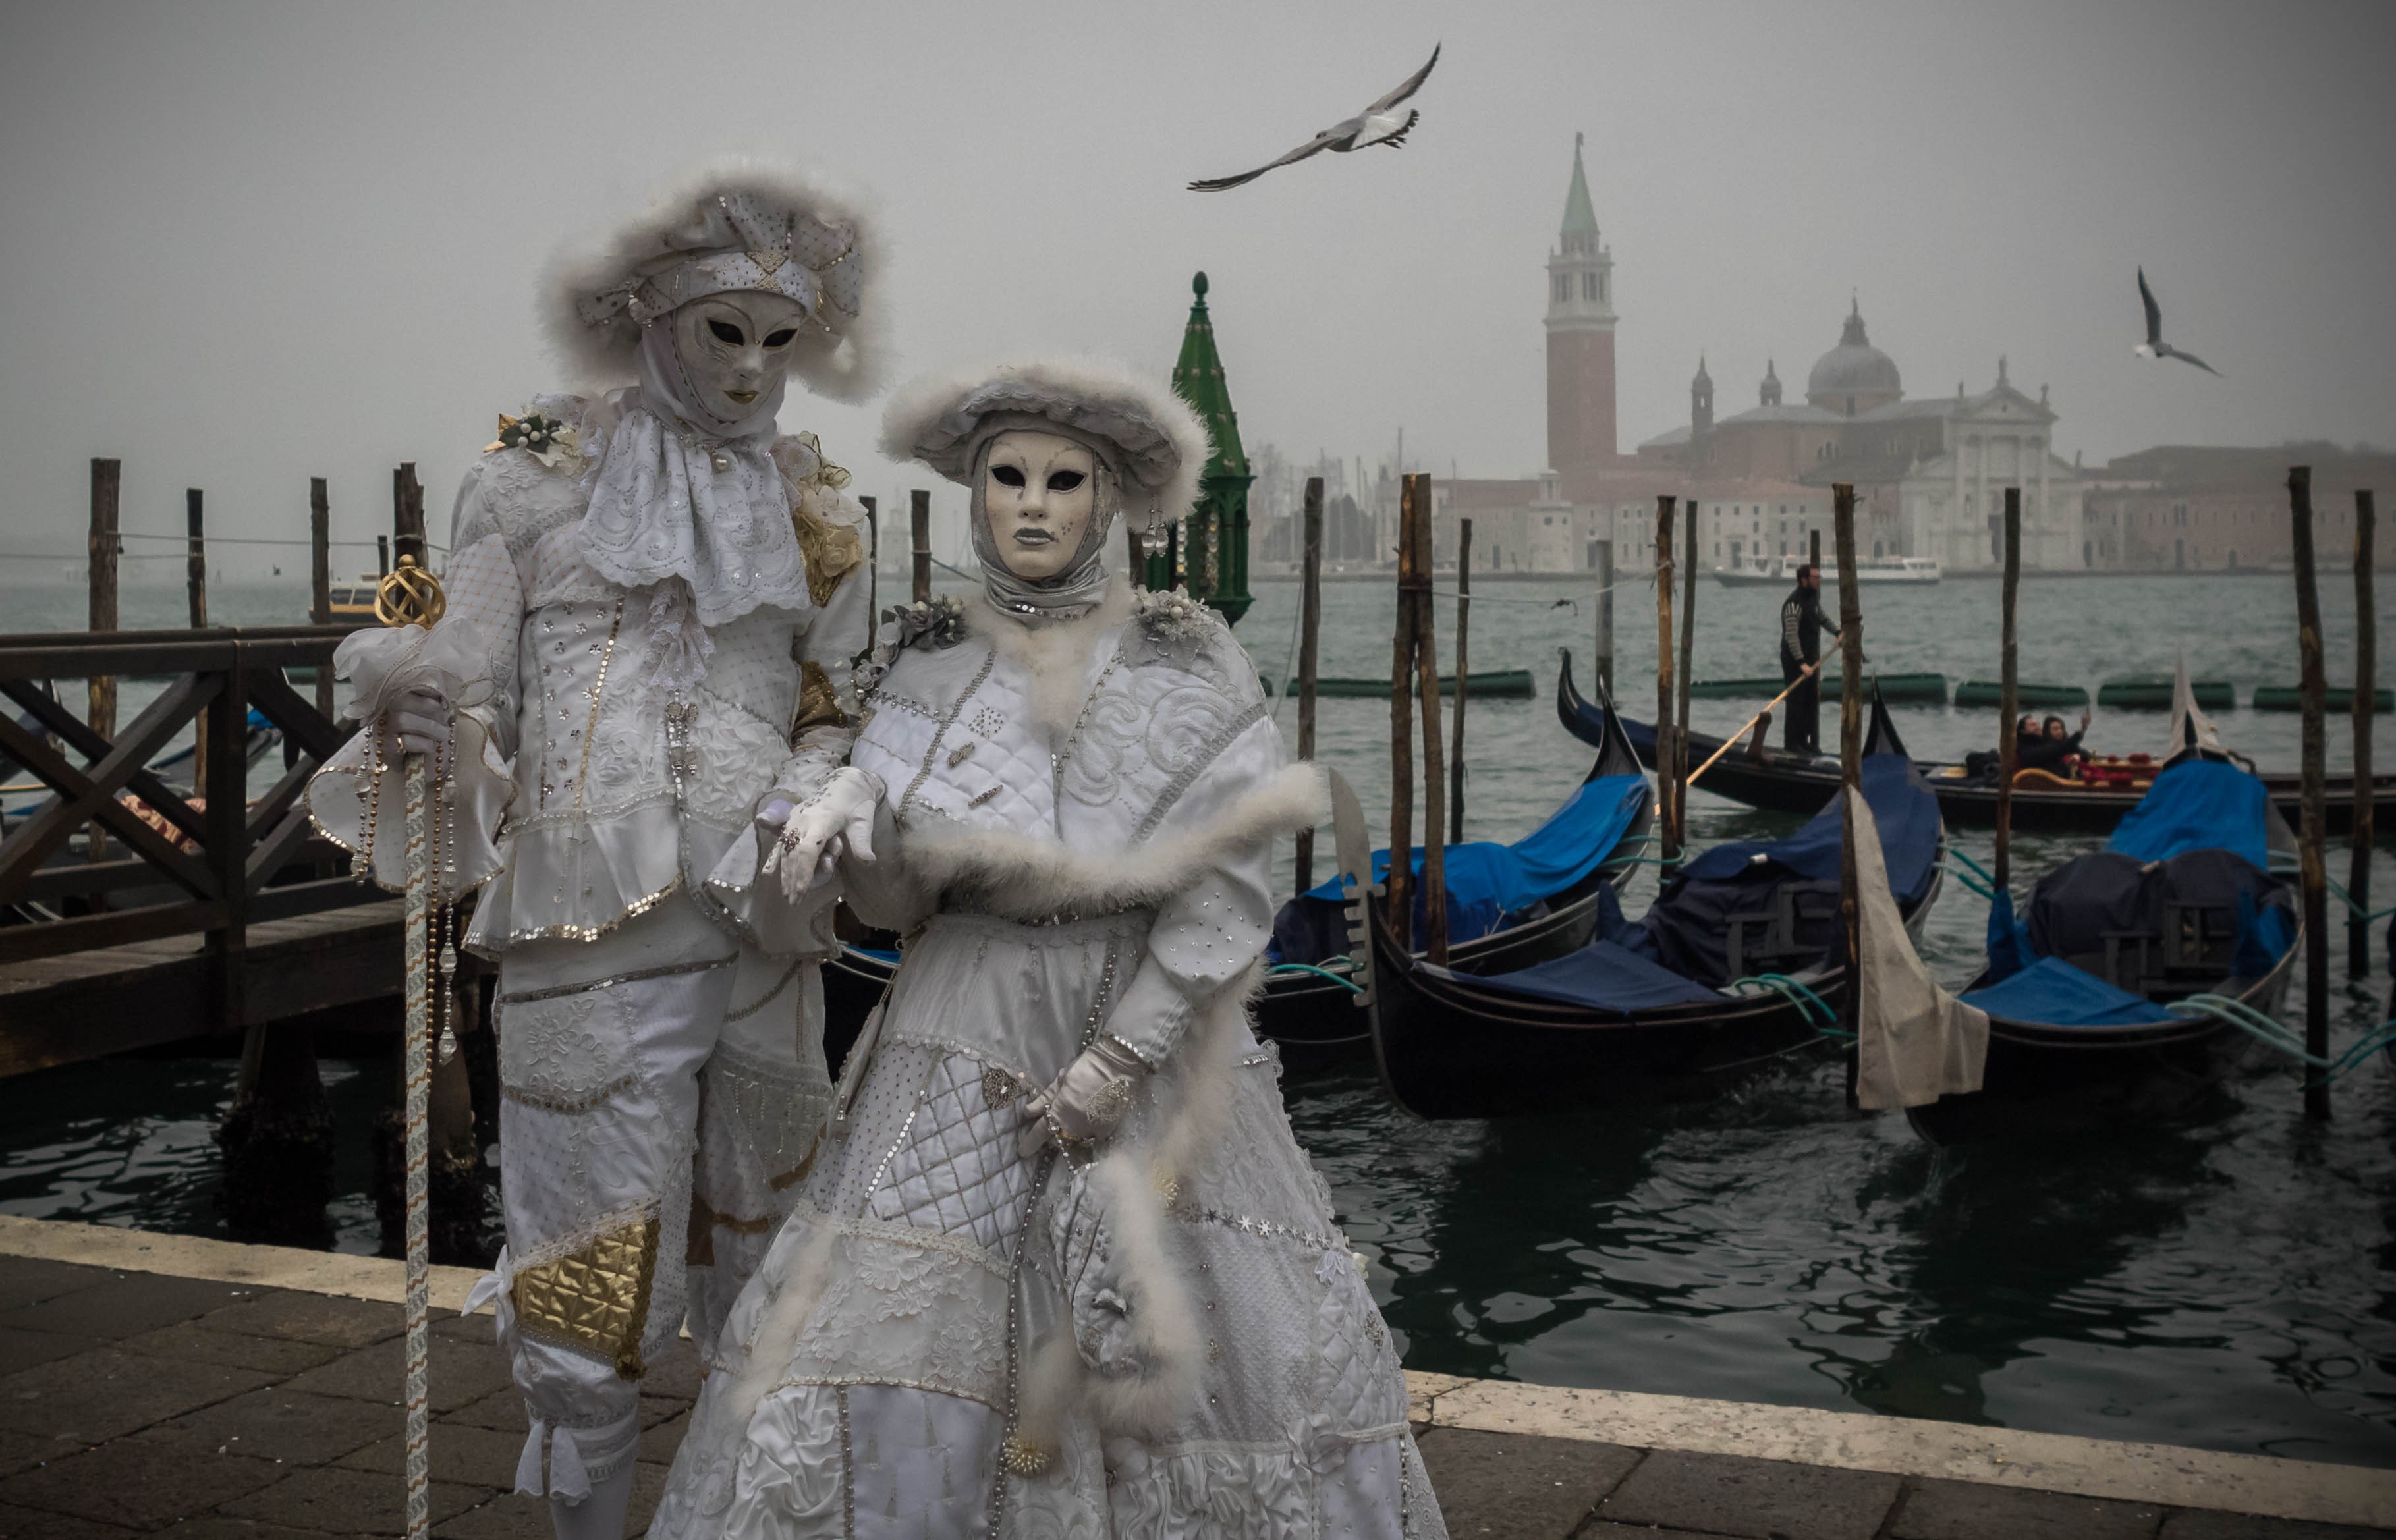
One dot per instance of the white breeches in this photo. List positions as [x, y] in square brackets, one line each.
[663, 1090]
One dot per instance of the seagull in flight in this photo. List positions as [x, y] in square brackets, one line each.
[2154, 346]
[1375, 124]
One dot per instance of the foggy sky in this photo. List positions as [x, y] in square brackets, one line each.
[245, 244]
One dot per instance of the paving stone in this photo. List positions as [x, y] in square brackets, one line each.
[192, 1339]
[673, 1373]
[502, 1410]
[1970, 1510]
[1519, 1486]
[506, 1516]
[19, 1449]
[312, 1318]
[658, 1443]
[136, 1485]
[346, 1502]
[279, 1423]
[1765, 1499]
[18, 1523]
[22, 1349]
[2188, 1525]
[476, 1456]
[460, 1374]
[217, 1527]
[30, 1280]
[127, 1304]
[1606, 1529]
[648, 1488]
[106, 1393]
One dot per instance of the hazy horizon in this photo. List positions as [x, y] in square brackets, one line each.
[249, 243]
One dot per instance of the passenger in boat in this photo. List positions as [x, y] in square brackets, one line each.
[1062, 1269]
[1800, 643]
[2048, 746]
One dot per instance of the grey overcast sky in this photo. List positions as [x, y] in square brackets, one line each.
[247, 243]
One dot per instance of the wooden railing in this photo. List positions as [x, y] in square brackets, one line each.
[230, 862]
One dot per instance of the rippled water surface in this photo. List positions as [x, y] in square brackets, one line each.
[2226, 1282]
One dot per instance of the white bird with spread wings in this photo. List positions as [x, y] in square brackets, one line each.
[1375, 124]
[2154, 346]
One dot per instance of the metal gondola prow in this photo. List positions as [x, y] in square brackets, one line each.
[1880, 734]
[1353, 847]
[1598, 723]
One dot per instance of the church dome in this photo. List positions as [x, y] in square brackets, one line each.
[1854, 375]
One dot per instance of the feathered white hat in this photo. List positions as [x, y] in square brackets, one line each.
[744, 226]
[1161, 447]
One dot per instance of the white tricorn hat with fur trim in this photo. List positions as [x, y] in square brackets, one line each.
[741, 225]
[1161, 447]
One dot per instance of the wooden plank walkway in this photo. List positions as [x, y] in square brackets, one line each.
[163, 1383]
[58, 1010]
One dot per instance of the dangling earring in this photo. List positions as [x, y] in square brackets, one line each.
[1151, 539]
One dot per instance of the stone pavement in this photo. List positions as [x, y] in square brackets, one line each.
[247, 1404]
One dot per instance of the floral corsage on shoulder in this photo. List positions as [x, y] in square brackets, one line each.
[935, 623]
[542, 434]
[1169, 617]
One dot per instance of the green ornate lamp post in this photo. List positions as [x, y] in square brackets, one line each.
[1215, 538]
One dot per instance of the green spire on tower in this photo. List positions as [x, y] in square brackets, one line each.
[1214, 547]
[1581, 215]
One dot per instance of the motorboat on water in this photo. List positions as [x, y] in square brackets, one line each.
[1782, 571]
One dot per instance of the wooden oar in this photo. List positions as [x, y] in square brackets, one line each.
[1803, 675]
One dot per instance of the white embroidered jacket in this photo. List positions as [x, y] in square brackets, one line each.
[623, 749]
[1123, 762]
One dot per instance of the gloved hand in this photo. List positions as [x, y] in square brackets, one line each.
[1091, 1098]
[420, 719]
[812, 836]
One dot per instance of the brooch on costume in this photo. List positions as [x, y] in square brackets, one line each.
[1174, 616]
[934, 623]
[544, 438]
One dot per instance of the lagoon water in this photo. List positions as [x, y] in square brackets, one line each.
[2229, 1282]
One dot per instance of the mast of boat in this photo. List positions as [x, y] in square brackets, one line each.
[2366, 684]
[1463, 676]
[1664, 714]
[1851, 743]
[1416, 504]
[1688, 665]
[2008, 694]
[1310, 628]
[2314, 877]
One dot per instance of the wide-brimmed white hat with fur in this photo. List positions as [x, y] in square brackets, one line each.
[738, 226]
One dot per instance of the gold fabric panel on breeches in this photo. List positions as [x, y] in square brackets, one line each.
[595, 1299]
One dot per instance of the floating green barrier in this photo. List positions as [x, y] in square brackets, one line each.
[2288, 698]
[1495, 684]
[2152, 695]
[1989, 691]
[1906, 689]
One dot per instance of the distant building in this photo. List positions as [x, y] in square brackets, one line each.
[2180, 508]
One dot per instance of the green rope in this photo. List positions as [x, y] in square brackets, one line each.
[1804, 999]
[1347, 984]
[2356, 910]
[1973, 883]
[2262, 1028]
[1985, 874]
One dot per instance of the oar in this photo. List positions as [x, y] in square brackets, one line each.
[1803, 675]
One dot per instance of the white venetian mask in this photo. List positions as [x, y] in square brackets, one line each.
[736, 347]
[1039, 491]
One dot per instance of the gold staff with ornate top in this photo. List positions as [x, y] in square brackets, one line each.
[411, 596]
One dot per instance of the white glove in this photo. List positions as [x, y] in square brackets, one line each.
[1094, 1094]
[837, 820]
[420, 719]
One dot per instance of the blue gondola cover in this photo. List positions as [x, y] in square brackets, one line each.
[2197, 805]
[2054, 993]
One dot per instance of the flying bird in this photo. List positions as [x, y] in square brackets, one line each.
[1375, 124]
[2154, 346]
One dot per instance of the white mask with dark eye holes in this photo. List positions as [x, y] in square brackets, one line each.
[1038, 491]
[734, 348]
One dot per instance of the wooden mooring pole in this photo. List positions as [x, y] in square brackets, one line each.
[2315, 874]
[2008, 693]
[919, 531]
[1851, 737]
[382, 555]
[1398, 886]
[1681, 675]
[1310, 628]
[101, 547]
[195, 590]
[872, 562]
[320, 579]
[2366, 684]
[407, 516]
[1417, 512]
[1602, 653]
[1669, 820]
[1463, 681]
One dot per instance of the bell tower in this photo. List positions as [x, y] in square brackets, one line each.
[1580, 338]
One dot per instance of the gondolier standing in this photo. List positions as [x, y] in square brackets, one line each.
[1800, 643]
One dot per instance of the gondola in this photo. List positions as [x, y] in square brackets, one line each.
[2182, 902]
[1788, 783]
[1304, 1006]
[1613, 1023]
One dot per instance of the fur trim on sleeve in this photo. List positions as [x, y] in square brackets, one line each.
[1021, 879]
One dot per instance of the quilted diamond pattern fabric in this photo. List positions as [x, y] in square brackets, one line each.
[595, 1299]
[957, 1172]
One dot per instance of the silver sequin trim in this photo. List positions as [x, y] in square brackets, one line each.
[668, 970]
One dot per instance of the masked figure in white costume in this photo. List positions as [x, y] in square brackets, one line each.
[1066, 1273]
[654, 602]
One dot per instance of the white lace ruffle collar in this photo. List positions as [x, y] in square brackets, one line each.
[666, 502]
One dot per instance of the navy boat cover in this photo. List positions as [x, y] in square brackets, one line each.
[1489, 887]
[2052, 992]
[2197, 805]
